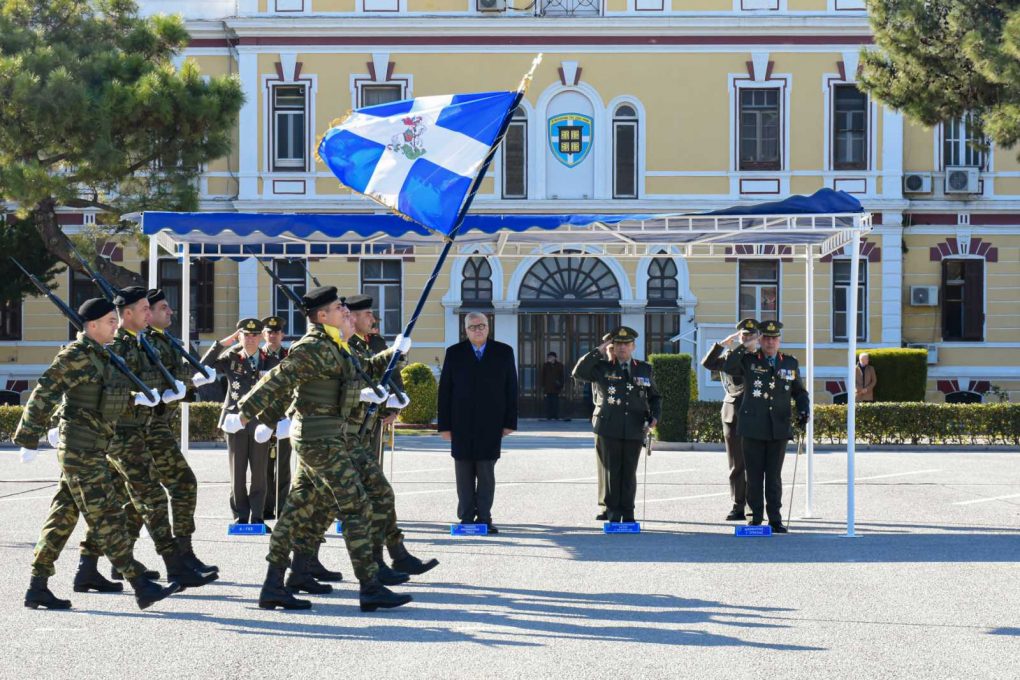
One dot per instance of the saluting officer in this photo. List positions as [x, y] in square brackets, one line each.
[632, 404]
[771, 379]
[598, 398]
[239, 358]
[747, 333]
[278, 468]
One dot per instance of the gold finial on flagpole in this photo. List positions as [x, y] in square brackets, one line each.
[526, 80]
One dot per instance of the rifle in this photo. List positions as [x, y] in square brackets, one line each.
[110, 293]
[78, 323]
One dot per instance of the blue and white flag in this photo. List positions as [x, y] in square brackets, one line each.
[419, 156]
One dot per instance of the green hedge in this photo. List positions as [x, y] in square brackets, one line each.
[885, 423]
[672, 373]
[423, 390]
[902, 373]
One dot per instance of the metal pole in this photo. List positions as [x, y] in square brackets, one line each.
[153, 259]
[809, 432]
[851, 378]
[185, 333]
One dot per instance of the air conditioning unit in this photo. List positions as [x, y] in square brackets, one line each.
[917, 183]
[924, 296]
[491, 5]
[962, 179]
[933, 351]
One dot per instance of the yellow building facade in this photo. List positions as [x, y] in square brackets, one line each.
[674, 107]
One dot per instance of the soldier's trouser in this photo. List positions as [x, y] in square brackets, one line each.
[244, 453]
[278, 476]
[327, 475]
[735, 455]
[620, 457]
[600, 474]
[764, 462]
[87, 489]
[476, 489]
[380, 494]
[174, 474]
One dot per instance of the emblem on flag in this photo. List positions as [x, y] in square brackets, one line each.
[570, 136]
[408, 142]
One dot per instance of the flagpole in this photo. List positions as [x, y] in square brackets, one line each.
[409, 328]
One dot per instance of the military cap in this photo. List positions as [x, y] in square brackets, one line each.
[771, 329]
[95, 308]
[624, 334]
[357, 303]
[155, 295]
[273, 323]
[749, 325]
[318, 297]
[251, 325]
[129, 296]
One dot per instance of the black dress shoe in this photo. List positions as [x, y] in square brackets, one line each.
[778, 528]
[602, 516]
[269, 515]
[628, 519]
[735, 516]
[492, 528]
[754, 522]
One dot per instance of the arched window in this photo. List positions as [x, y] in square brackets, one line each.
[515, 157]
[662, 321]
[625, 152]
[963, 397]
[663, 288]
[476, 286]
[568, 281]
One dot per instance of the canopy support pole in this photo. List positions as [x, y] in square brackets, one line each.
[185, 335]
[851, 376]
[809, 359]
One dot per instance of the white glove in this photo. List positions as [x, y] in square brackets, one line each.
[395, 402]
[27, 455]
[201, 378]
[263, 433]
[368, 394]
[177, 393]
[232, 423]
[147, 400]
[402, 344]
[53, 437]
[283, 429]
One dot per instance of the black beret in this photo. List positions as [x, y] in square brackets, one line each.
[750, 325]
[273, 323]
[318, 297]
[95, 308]
[251, 325]
[771, 329]
[357, 303]
[624, 334]
[129, 296]
[155, 295]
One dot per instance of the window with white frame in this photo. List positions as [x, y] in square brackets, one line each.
[759, 289]
[515, 157]
[849, 128]
[625, 152]
[841, 299]
[374, 94]
[10, 319]
[382, 280]
[290, 128]
[961, 145]
[294, 276]
[760, 123]
[476, 285]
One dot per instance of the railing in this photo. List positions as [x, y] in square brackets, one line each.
[568, 8]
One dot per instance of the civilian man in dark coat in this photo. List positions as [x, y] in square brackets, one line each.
[477, 408]
[552, 384]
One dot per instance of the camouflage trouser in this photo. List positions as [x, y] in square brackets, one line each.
[134, 464]
[174, 473]
[326, 477]
[87, 488]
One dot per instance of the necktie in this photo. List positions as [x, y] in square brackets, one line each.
[772, 362]
[478, 354]
[626, 371]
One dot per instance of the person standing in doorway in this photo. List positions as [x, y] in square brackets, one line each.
[552, 384]
[866, 378]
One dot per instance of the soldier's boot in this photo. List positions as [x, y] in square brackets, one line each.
[374, 595]
[39, 595]
[148, 593]
[150, 574]
[274, 594]
[88, 578]
[299, 580]
[408, 563]
[190, 560]
[387, 576]
[187, 577]
[319, 572]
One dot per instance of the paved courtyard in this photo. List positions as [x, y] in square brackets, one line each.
[929, 588]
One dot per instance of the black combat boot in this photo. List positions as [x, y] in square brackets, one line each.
[150, 574]
[39, 595]
[148, 593]
[299, 580]
[408, 563]
[387, 576]
[177, 571]
[274, 595]
[190, 560]
[374, 595]
[319, 572]
[88, 578]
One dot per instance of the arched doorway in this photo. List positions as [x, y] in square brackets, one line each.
[566, 305]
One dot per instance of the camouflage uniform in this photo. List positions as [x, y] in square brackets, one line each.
[374, 344]
[82, 380]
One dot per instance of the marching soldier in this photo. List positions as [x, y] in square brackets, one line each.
[239, 358]
[747, 333]
[314, 378]
[771, 379]
[92, 398]
[278, 469]
[632, 405]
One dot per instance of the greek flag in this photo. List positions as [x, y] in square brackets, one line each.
[419, 156]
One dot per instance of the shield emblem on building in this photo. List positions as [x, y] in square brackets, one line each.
[570, 136]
